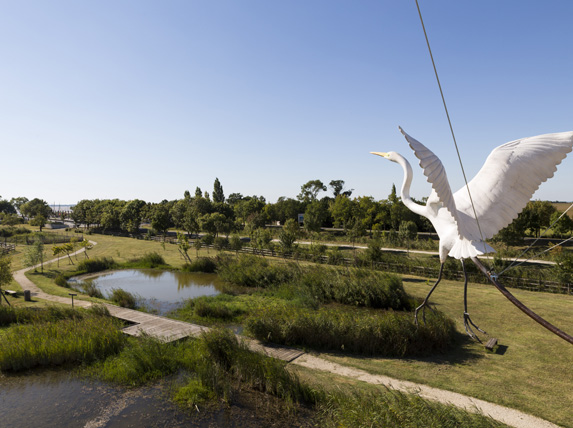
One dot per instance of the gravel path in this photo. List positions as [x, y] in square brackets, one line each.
[510, 417]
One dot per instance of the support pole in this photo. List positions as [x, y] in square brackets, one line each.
[520, 305]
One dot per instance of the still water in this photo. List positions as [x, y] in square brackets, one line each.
[160, 291]
[54, 398]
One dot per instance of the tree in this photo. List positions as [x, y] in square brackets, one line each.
[6, 207]
[289, 234]
[309, 191]
[160, 219]
[538, 215]
[35, 255]
[218, 195]
[261, 238]
[198, 192]
[562, 226]
[56, 251]
[337, 187]
[314, 216]
[236, 243]
[5, 274]
[408, 231]
[131, 215]
[38, 210]
[374, 251]
[183, 246]
[86, 245]
[36, 207]
[18, 202]
[343, 210]
[39, 221]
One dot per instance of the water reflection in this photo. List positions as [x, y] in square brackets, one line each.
[160, 290]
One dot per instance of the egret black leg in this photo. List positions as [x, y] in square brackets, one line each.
[425, 302]
[468, 323]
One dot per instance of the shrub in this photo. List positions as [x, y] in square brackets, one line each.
[142, 360]
[61, 280]
[123, 298]
[253, 271]
[152, 260]
[90, 288]
[78, 339]
[96, 265]
[202, 264]
[386, 333]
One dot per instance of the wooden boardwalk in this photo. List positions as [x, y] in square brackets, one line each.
[168, 330]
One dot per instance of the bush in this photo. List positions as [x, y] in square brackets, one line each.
[89, 288]
[152, 260]
[142, 360]
[123, 298]
[61, 280]
[96, 265]
[388, 333]
[78, 339]
[203, 264]
[253, 271]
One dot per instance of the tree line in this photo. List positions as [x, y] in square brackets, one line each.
[217, 214]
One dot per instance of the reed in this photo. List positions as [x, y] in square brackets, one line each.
[96, 265]
[384, 333]
[73, 340]
[391, 408]
[201, 264]
[123, 298]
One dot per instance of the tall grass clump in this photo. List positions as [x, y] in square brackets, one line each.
[253, 271]
[395, 409]
[74, 340]
[96, 265]
[201, 264]
[61, 280]
[356, 287]
[142, 360]
[89, 288]
[366, 332]
[215, 308]
[151, 260]
[220, 362]
[123, 298]
[24, 315]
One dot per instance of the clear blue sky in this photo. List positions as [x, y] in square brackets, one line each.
[145, 99]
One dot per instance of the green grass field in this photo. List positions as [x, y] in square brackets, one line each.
[531, 370]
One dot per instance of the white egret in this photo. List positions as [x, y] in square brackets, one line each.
[499, 192]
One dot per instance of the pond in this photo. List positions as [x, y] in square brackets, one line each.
[58, 398]
[160, 291]
[55, 398]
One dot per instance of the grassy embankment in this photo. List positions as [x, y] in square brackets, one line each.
[213, 369]
[532, 374]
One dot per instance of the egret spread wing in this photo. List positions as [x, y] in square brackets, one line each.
[434, 170]
[507, 181]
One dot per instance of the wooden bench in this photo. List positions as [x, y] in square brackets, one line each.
[491, 344]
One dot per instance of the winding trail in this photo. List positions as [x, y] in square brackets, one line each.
[508, 416]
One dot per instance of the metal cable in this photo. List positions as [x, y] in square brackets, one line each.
[450, 123]
[513, 263]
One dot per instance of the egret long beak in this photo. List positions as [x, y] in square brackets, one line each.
[380, 154]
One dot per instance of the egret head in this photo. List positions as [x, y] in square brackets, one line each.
[390, 155]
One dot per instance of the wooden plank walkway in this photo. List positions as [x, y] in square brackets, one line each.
[168, 330]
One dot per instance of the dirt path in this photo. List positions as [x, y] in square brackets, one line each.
[510, 417]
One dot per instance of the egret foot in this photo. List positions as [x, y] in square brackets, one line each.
[423, 308]
[468, 324]
[425, 302]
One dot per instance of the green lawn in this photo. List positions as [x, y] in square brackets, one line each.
[531, 370]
